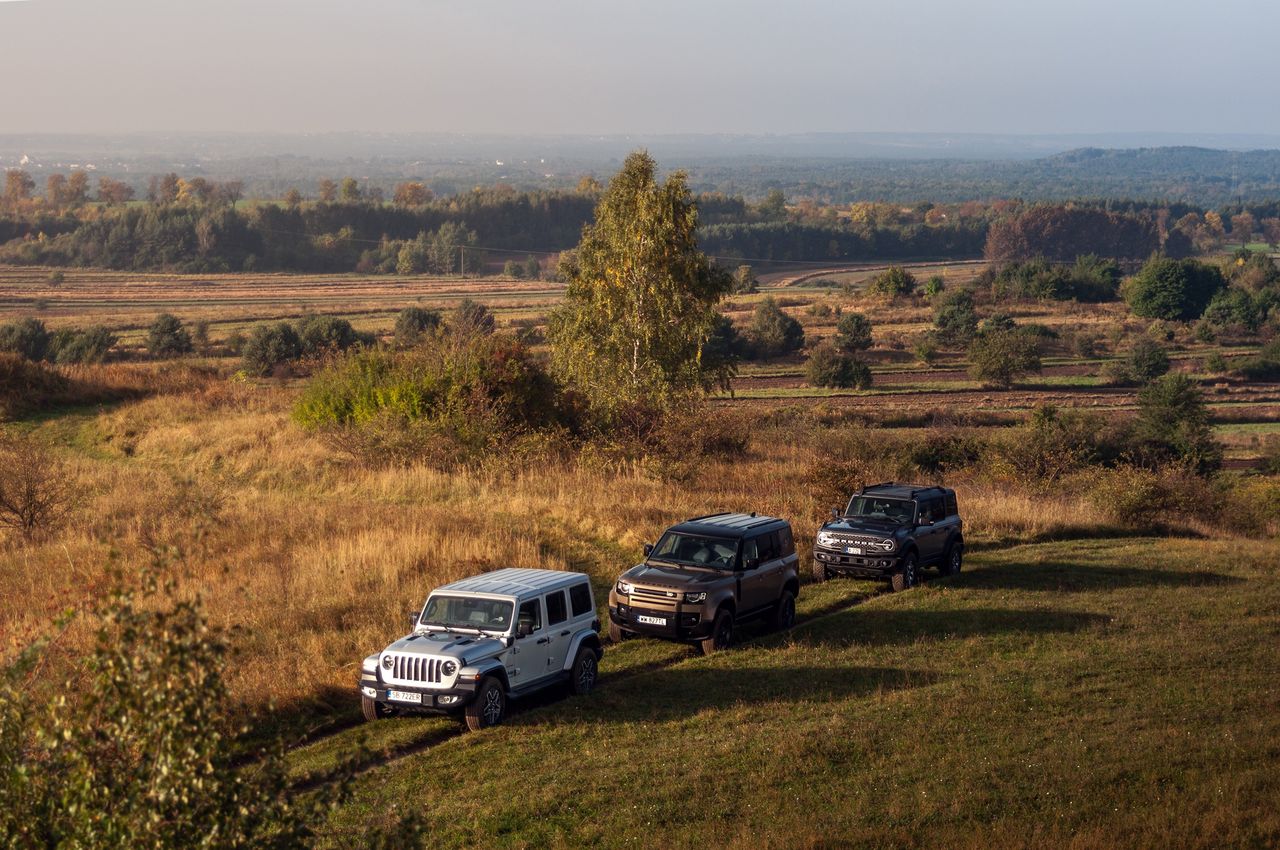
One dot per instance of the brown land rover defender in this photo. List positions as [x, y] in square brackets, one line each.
[706, 575]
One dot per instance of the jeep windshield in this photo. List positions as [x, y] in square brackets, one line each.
[696, 550]
[880, 509]
[467, 612]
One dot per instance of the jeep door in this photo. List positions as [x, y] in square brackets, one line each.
[528, 656]
[558, 630]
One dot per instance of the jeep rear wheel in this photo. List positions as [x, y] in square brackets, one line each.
[953, 560]
[820, 573]
[374, 710]
[584, 673]
[784, 615]
[489, 706]
[907, 576]
[721, 637]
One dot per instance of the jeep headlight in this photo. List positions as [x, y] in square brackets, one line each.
[695, 598]
[887, 545]
[625, 588]
[448, 668]
[826, 538]
[387, 661]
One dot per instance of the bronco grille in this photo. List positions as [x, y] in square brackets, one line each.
[851, 540]
[416, 668]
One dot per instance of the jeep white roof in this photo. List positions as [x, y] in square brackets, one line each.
[514, 582]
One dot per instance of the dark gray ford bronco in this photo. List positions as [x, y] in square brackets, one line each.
[891, 531]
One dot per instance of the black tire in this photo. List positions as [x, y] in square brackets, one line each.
[374, 710]
[489, 707]
[820, 573]
[721, 637]
[908, 576]
[953, 560]
[784, 614]
[616, 634]
[584, 673]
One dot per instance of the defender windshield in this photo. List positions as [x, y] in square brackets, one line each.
[468, 612]
[878, 507]
[696, 550]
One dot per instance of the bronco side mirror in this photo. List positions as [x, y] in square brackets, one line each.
[835, 513]
[648, 549]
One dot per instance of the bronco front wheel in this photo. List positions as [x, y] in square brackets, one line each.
[489, 707]
[820, 573]
[906, 577]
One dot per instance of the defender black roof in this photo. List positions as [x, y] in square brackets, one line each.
[728, 524]
[894, 490]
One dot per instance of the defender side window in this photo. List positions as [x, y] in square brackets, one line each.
[767, 544]
[580, 599]
[786, 542]
[530, 618]
[556, 610]
[749, 552]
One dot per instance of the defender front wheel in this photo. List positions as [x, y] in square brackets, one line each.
[721, 637]
[584, 673]
[489, 707]
[906, 577]
[784, 615]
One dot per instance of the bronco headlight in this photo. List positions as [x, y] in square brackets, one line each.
[695, 598]
[625, 588]
[826, 538]
[887, 545]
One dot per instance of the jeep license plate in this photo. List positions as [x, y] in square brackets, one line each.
[853, 550]
[404, 696]
[651, 621]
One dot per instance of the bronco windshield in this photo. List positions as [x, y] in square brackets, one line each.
[880, 508]
[696, 550]
[468, 612]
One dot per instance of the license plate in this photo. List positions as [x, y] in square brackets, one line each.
[404, 696]
[853, 550]
[651, 621]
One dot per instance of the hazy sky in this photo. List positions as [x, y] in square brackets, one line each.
[659, 66]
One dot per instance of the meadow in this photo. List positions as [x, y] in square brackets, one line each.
[1083, 683]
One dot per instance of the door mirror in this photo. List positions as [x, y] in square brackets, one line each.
[835, 513]
[924, 521]
[413, 620]
[523, 630]
[648, 549]
[750, 563]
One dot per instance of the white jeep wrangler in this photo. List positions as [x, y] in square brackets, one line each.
[483, 640]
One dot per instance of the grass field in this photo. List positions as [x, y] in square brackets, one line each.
[1076, 686]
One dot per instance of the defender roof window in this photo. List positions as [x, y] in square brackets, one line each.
[698, 550]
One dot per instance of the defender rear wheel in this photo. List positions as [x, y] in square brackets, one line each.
[907, 577]
[820, 573]
[721, 637]
[953, 560]
[616, 634]
[489, 707]
[374, 710]
[585, 670]
[784, 615]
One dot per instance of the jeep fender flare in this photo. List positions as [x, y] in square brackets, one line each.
[490, 667]
[583, 638]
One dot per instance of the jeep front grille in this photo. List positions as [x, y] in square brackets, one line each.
[416, 668]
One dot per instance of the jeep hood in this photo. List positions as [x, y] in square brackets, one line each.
[675, 578]
[460, 645]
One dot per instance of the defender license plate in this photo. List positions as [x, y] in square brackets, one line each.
[404, 696]
[853, 550]
[652, 621]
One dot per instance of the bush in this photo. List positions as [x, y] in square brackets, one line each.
[1177, 290]
[1000, 357]
[955, 319]
[721, 353]
[934, 287]
[412, 323]
[772, 332]
[892, 282]
[167, 337]
[830, 366]
[511, 268]
[926, 349]
[26, 337]
[35, 494]
[269, 346]
[472, 317]
[1148, 360]
[1173, 425]
[1150, 499]
[75, 346]
[1263, 367]
[1051, 445]
[320, 334]
[853, 333]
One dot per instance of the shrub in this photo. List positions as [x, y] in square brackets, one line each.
[772, 332]
[744, 281]
[955, 319]
[167, 337]
[511, 268]
[319, 334]
[1173, 425]
[892, 282]
[1150, 499]
[1049, 446]
[81, 346]
[934, 287]
[26, 337]
[56, 277]
[1000, 357]
[853, 333]
[820, 310]
[269, 346]
[412, 323]
[926, 349]
[1148, 360]
[35, 495]
[1173, 289]
[1263, 367]
[472, 317]
[830, 366]
[532, 268]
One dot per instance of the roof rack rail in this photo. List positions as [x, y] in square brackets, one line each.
[708, 516]
[867, 487]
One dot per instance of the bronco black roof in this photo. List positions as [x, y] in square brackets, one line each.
[728, 525]
[901, 491]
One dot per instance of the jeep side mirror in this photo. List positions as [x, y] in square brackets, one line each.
[648, 549]
[413, 620]
[524, 630]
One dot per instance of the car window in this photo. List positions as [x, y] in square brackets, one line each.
[557, 611]
[786, 542]
[879, 507]
[931, 510]
[530, 616]
[580, 599]
[750, 551]
[468, 611]
[952, 509]
[696, 549]
[767, 545]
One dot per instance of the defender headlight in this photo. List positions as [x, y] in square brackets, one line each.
[826, 538]
[625, 588]
[448, 668]
[387, 661]
[695, 598]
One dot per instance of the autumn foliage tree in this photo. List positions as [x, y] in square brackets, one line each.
[641, 297]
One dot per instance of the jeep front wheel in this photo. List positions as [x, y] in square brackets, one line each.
[721, 637]
[906, 577]
[585, 670]
[820, 573]
[953, 561]
[489, 706]
[372, 709]
[784, 615]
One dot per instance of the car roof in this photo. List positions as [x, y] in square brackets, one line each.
[728, 524]
[894, 490]
[513, 581]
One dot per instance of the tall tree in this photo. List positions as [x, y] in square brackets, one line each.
[640, 302]
[411, 194]
[18, 185]
[328, 189]
[55, 189]
[114, 191]
[77, 191]
[350, 190]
